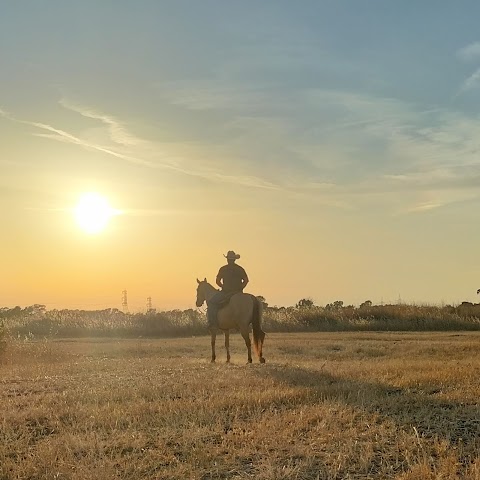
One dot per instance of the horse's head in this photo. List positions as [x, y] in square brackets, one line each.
[201, 292]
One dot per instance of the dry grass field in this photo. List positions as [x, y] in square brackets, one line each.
[324, 406]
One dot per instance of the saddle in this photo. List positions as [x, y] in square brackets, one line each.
[226, 300]
[214, 309]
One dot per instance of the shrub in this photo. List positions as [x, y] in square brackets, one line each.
[40, 323]
[3, 338]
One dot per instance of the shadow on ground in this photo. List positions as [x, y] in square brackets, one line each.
[413, 410]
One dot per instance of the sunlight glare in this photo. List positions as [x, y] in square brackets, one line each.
[93, 212]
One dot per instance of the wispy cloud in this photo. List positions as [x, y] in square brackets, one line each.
[361, 146]
[389, 149]
[435, 199]
[471, 83]
[470, 52]
[66, 137]
[147, 154]
[424, 207]
[62, 136]
[213, 96]
[338, 148]
[175, 212]
[118, 132]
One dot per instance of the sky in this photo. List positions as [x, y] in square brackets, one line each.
[335, 145]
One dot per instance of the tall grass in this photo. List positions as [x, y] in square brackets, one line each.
[375, 318]
[3, 338]
[105, 323]
[37, 322]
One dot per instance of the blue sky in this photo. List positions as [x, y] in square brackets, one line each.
[351, 115]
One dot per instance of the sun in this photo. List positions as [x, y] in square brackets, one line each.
[93, 212]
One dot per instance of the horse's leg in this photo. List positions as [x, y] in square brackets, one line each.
[213, 333]
[248, 343]
[227, 344]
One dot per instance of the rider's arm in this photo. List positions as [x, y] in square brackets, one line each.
[219, 279]
[245, 281]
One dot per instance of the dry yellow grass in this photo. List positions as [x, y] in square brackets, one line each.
[324, 406]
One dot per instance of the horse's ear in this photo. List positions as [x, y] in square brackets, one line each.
[205, 280]
[198, 281]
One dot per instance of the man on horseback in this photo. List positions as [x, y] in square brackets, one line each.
[232, 279]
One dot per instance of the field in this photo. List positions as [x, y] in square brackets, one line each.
[351, 405]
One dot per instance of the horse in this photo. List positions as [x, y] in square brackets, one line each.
[242, 310]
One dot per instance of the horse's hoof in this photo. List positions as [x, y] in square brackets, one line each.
[249, 360]
[262, 360]
[212, 360]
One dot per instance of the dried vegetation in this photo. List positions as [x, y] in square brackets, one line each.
[324, 406]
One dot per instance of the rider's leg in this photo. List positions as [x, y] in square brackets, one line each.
[213, 306]
[212, 311]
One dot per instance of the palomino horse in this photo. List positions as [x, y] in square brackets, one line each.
[242, 309]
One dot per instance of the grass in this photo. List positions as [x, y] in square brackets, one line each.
[402, 317]
[347, 405]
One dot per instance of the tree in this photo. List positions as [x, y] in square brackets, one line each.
[305, 303]
[336, 305]
[366, 304]
[262, 300]
[37, 309]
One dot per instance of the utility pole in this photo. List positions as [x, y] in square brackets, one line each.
[149, 304]
[124, 301]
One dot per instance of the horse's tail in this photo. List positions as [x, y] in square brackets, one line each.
[258, 333]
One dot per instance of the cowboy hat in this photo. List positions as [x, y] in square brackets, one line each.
[231, 255]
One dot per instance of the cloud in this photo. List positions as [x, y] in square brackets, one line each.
[176, 212]
[383, 151]
[245, 180]
[5, 114]
[339, 149]
[435, 199]
[470, 52]
[209, 96]
[62, 136]
[65, 137]
[118, 132]
[424, 207]
[148, 154]
[471, 83]
[351, 150]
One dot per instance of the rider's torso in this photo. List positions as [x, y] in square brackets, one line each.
[232, 276]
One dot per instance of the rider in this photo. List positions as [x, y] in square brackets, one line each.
[232, 279]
